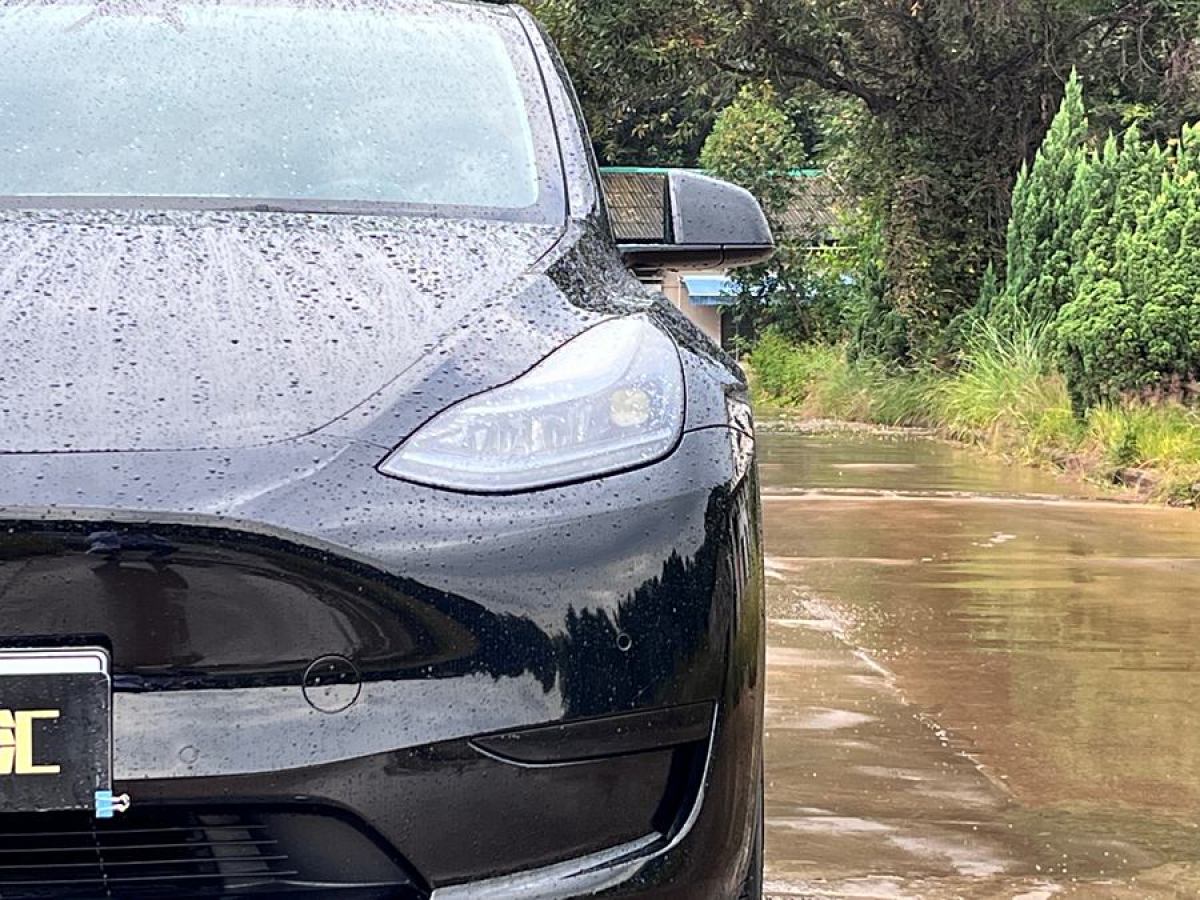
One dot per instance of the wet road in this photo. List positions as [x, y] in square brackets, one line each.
[978, 686]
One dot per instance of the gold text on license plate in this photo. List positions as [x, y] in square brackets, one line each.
[16, 742]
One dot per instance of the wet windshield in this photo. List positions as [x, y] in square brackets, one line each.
[270, 103]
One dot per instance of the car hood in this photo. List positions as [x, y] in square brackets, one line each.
[138, 330]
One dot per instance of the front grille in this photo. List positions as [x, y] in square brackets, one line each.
[186, 853]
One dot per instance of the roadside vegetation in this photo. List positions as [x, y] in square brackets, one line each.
[1086, 355]
[1004, 396]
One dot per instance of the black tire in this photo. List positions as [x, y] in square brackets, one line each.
[752, 887]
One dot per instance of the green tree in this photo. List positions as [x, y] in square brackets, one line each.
[755, 144]
[1134, 322]
[1050, 201]
[932, 107]
[1096, 183]
[989, 291]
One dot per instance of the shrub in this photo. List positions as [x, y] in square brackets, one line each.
[1050, 201]
[785, 372]
[1133, 325]
[1104, 260]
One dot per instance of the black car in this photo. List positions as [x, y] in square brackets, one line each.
[367, 528]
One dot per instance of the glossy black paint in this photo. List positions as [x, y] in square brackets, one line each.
[219, 544]
[588, 739]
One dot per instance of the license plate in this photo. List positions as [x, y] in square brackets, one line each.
[55, 729]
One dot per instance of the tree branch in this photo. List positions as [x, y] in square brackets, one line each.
[1113, 19]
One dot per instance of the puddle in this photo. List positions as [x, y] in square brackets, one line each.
[972, 694]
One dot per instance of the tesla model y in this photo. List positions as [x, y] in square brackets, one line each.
[367, 526]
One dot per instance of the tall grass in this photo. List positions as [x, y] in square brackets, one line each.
[1004, 394]
[818, 380]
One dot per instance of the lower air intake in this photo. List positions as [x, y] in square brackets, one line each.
[187, 853]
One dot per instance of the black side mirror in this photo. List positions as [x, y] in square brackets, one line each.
[707, 224]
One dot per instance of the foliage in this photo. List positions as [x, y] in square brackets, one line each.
[1104, 260]
[1161, 434]
[1049, 203]
[1005, 396]
[1134, 323]
[818, 379]
[951, 98]
[1004, 386]
[989, 291]
[926, 109]
[787, 372]
[755, 144]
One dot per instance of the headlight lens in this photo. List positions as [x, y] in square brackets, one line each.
[608, 400]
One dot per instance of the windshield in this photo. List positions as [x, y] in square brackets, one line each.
[423, 105]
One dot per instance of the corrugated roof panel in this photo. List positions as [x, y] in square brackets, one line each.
[813, 212]
[636, 201]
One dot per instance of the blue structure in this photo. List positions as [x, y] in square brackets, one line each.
[710, 290]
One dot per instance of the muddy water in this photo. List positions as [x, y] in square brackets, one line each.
[979, 684]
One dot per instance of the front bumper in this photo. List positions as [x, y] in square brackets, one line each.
[341, 640]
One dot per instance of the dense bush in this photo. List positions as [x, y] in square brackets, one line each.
[1134, 324]
[1104, 256]
[1048, 208]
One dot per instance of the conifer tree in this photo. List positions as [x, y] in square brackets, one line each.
[1095, 187]
[1134, 323]
[1048, 210]
[1142, 166]
[989, 291]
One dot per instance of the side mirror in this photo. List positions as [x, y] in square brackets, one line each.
[707, 224]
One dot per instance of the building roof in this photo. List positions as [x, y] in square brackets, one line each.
[636, 201]
[637, 197]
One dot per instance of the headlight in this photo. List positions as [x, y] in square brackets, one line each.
[608, 400]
